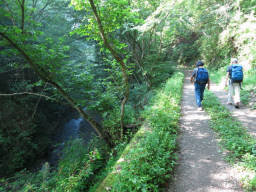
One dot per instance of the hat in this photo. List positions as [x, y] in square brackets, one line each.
[234, 60]
[199, 63]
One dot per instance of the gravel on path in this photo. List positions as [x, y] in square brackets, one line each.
[245, 115]
[201, 166]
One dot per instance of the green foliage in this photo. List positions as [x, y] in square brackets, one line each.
[148, 164]
[23, 138]
[252, 185]
[25, 181]
[150, 157]
[139, 95]
[158, 70]
[113, 14]
[28, 122]
[248, 91]
[79, 164]
[217, 76]
[232, 134]
[242, 38]
[247, 5]
[234, 138]
[112, 121]
[75, 171]
[227, 30]
[84, 69]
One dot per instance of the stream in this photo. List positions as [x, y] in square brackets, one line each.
[72, 128]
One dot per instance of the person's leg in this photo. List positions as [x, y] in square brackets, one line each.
[236, 88]
[197, 94]
[202, 88]
[230, 93]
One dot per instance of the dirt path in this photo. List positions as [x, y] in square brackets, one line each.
[201, 167]
[245, 115]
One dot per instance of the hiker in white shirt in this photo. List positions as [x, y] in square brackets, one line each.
[234, 79]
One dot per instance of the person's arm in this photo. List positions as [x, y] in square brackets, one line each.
[227, 76]
[208, 84]
[192, 79]
[226, 80]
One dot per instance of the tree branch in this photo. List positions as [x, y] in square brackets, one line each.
[43, 75]
[47, 3]
[37, 103]
[118, 59]
[26, 93]
[19, 2]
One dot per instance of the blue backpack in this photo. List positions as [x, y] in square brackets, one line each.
[236, 73]
[202, 76]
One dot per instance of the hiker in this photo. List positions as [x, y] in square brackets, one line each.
[200, 78]
[234, 79]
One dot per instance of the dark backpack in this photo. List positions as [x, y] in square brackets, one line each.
[236, 73]
[202, 76]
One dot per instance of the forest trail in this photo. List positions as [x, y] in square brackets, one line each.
[201, 167]
[245, 115]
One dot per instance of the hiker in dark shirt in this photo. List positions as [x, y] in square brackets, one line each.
[200, 78]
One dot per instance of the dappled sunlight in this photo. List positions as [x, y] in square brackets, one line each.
[201, 135]
[201, 166]
[246, 116]
[153, 19]
[197, 117]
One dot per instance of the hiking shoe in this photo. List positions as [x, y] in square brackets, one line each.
[237, 105]
[200, 108]
[228, 103]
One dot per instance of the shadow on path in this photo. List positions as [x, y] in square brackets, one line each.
[245, 115]
[201, 167]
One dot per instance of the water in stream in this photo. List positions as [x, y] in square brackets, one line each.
[73, 128]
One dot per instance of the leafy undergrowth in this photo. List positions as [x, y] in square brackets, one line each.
[82, 168]
[218, 75]
[147, 161]
[234, 138]
[74, 172]
[248, 93]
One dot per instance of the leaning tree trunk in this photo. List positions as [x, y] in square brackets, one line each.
[43, 75]
[118, 59]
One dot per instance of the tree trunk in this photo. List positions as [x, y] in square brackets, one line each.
[22, 7]
[161, 44]
[23, 16]
[118, 59]
[44, 76]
